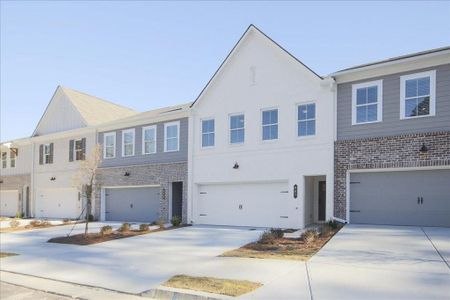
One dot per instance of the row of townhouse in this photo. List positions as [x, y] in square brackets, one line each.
[267, 143]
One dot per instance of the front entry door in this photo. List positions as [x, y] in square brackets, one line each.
[322, 199]
[177, 199]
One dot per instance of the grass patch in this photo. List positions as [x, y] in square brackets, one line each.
[212, 285]
[6, 254]
[95, 238]
[284, 248]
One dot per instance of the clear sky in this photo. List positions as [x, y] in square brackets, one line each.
[146, 55]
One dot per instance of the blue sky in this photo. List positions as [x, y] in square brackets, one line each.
[152, 54]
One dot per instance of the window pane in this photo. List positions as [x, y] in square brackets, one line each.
[411, 88]
[109, 152]
[172, 144]
[207, 126]
[172, 131]
[128, 138]
[411, 107]
[372, 113]
[274, 116]
[237, 121]
[266, 133]
[266, 117]
[423, 106]
[208, 139]
[109, 140]
[361, 96]
[302, 110]
[372, 93]
[128, 149]
[423, 86]
[149, 134]
[149, 147]
[311, 127]
[311, 111]
[274, 131]
[361, 114]
[237, 136]
[301, 128]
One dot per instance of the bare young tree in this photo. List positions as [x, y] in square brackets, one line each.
[85, 178]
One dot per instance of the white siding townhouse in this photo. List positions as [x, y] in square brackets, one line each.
[261, 141]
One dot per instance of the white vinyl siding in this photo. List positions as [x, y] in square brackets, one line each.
[418, 95]
[172, 136]
[109, 145]
[237, 129]
[270, 124]
[367, 103]
[306, 117]
[208, 133]
[149, 139]
[128, 142]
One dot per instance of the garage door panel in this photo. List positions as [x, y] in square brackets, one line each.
[58, 203]
[9, 203]
[419, 198]
[259, 204]
[139, 204]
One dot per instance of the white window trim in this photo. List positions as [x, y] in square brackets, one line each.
[143, 139]
[201, 133]
[229, 129]
[432, 75]
[262, 125]
[177, 123]
[75, 149]
[123, 141]
[113, 134]
[379, 85]
[298, 120]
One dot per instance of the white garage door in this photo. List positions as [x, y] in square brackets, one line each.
[256, 204]
[58, 203]
[9, 203]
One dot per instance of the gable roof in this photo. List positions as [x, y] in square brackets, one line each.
[250, 28]
[92, 110]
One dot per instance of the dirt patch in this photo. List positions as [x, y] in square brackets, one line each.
[6, 254]
[212, 285]
[283, 248]
[95, 238]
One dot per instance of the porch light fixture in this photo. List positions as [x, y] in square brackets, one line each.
[424, 148]
[236, 166]
[1, 181]
[126, 174]
[52, 178]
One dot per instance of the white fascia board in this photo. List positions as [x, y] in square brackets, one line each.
[63, 134]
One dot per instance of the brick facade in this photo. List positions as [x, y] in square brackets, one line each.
[16, 182]
[384, 153]
[152, 174]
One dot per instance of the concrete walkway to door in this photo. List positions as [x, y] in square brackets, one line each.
[383, 262]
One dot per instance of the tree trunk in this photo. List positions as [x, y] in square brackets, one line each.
[88, 207]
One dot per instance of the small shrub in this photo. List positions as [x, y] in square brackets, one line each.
[161, 223]
[309, 236]
[144, 227]
[19, 215]
[267, 237]
[176, 221]
[66, 221]
[277, 233]
[326, 230]
[14, 223]
[90, 218]
[45, 223]
[35, 223]
[125, 227]
[106, 230]
[154, 223]
[333, 224]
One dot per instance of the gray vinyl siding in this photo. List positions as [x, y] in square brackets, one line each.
[138, 158]
[391, 123]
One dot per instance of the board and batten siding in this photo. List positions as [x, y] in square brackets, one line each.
[138, 158]
[391, 123]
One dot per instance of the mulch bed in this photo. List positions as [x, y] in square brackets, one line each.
[95, 238]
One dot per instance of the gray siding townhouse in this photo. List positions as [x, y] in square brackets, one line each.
[392, 149]
[143, 174]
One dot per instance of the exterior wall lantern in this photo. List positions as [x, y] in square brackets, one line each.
[236, 166]
[53, 179]
[424, 148]
[126, 174]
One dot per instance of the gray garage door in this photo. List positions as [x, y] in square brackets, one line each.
[401, 198]
[139, 204]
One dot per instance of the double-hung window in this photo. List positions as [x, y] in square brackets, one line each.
[172, 136]
[48, 154]
[417, 95]
[4, 159]
[12, 158]
[149, 139]
[109, 145]
[208, 133]
[128, 142]
[270, 124]
[306, 118]
[237, 129]
[367, 104]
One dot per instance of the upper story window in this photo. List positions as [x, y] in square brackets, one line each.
[46, 154]
[171, 136]
[237, 130]
[149, 139]
[270, 124]
[128, 142]
[306, 117]
[417, 95]
[208, 133]
[367, 102]
[12, 158]
[109, 145]
[77, 149]
[4, 159]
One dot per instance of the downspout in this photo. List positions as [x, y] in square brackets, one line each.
[191, 138]
[32, 193]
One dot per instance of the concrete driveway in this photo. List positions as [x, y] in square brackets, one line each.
[139, 263]
[383, 262]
